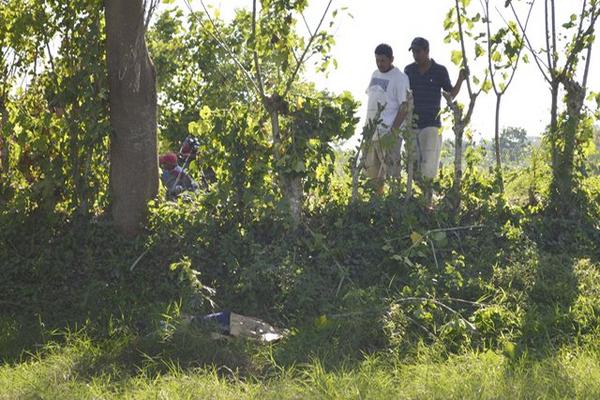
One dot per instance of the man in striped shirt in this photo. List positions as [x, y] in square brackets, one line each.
[427, 80]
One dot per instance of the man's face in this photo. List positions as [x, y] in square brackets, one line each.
[384, 63]
[420, 55]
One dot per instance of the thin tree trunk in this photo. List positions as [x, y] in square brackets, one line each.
[410, 163]
[554, 86]
[458, 172]
[132, 83]
[357, 165]
[499, 178]
[460, 123]
[4, 140]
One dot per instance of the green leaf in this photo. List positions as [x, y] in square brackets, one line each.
[321, 321]
[457, 57]
[487, 86]
[479, 50]
[449, 21]
[205, 112]
[416, 237]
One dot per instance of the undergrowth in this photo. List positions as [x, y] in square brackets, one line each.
[493, 294]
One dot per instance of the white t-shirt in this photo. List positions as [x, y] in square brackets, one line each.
[389, 89]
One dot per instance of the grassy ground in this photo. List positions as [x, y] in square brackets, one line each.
[64, 373]
[498, 302]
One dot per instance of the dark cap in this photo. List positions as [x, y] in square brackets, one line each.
[419, 43]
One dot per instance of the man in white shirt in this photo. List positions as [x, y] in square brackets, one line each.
[388, 94]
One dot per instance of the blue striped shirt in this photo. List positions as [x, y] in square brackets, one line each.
[426, 88]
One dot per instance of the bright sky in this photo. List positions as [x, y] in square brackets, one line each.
[526, 103]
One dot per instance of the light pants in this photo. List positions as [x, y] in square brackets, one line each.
[382, 158]
[428, 148]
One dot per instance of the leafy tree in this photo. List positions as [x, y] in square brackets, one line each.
[19, 41]
[458, 18]
[559, 69]
[504, 49]
[278, 56]
[246, 80]
[201, 93]
[514, 144]
[54, 128]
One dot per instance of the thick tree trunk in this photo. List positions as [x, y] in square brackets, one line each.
[132, 83]
[563, 182]
[293, 194]
[290, 186]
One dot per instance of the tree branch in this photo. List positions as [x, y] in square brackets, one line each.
[223, 45]
[540, 64]
[462, 46]
[554, 51]
[301, 60]
[150, 7]
[486, 10]
[522, 42]
[306, 24]
[578, 45]
[259, 78]
[587, 61]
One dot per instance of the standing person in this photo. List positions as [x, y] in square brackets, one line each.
[427, 80]
[387, 106]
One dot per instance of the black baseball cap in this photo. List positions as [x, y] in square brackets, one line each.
[419, 43]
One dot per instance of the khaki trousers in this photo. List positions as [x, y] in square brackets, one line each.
[382, 158]
[427, 148]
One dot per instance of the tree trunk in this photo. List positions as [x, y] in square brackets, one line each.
[499, 178]
[290, 186]
[563, 183]
[459, 129]
[293, 194]
[460, 122]
[554, 123]
[132, 84]
[409, 140]
[357, 165]
[4, 140]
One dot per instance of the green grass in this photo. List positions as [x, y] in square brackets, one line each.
[507, 310]
[64, 372]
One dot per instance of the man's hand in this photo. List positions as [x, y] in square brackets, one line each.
[463, 74]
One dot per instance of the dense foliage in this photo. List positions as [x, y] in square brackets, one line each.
[378, 289]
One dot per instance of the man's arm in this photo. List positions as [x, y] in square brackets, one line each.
[404, 96]
[462, 75]
[400, 116]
